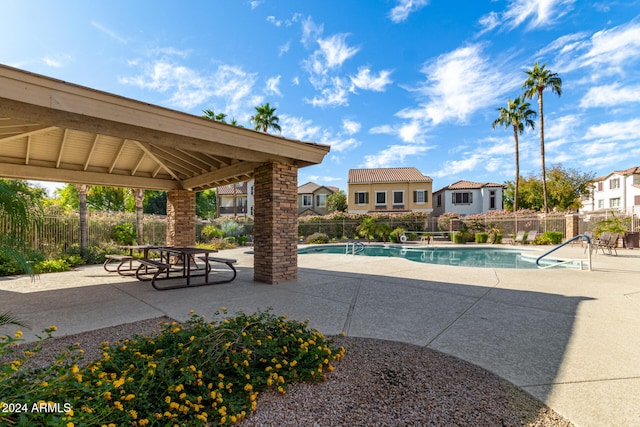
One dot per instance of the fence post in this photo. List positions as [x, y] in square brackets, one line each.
[571, 226]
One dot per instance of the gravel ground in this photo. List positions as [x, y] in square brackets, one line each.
[378, 383]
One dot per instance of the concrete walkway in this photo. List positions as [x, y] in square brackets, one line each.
[571, 338]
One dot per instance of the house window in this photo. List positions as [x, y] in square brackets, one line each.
[251, 211]
[600, 186]
[462, 198]
[439, 202]
[420, 196]
[614, 183]
[492, 199]
[381, 198]
[398, 198]
[252, 190]
[601, 204]
[362, 197]
[614, 203]
[636, 200]
[321, 200]
[307, 200]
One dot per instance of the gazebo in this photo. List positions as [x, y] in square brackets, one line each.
[51, 130]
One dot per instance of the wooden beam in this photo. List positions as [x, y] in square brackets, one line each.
[115, 159]
[93, 147]
[31, 131]
[11, 170]
[146, 149]
[64, 139]
[208, 178]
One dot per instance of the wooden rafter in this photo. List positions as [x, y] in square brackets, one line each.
[117, 157]
[93, 147]
[144, 147]
[62, 142]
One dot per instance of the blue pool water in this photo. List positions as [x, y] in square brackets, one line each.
[486, 257]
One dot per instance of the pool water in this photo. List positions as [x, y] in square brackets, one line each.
[485, 257]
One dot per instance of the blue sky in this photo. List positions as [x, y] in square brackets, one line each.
[386, 83]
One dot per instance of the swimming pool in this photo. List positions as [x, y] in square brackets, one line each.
[485, 257]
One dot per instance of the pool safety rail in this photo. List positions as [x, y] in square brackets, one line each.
[356, 248]
[581, 261]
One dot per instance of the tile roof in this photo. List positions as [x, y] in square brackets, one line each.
[469, 185]
[378, 175]
[311, 187]
[631, 171]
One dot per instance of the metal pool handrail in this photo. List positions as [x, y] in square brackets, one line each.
[357, 247]
[579, 236]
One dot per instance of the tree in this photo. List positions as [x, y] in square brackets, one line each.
[82, 211]
[138, 196]
[206, 201]
[539, 79]
[265, 118]
[519, 116]
[566, 188]
[155, 202]
[211, 115]
[337, 202]
[20, 206]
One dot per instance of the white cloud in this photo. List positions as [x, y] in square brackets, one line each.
[394, 155]
[364, 80]
[458, 84]
[299, 128]
[538, 13]
[53, 62]
[272, 86]
[190, 88]
[109, 32]
[284, 48]
[610, 95]
[350, 126]
[341, 145]
[333, 95]
[615, 131]
[310, 31]
[272, 19]
[404, 8]
[335, 50]
[255, 3]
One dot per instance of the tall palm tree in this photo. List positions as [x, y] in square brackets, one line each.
[539, 79]
[520, 116]
[265, 119]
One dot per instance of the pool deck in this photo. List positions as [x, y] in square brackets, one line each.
[569, 337]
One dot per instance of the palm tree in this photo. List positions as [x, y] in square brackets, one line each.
[211, 115]
[539, 79]
[265, 119]
[520, 116]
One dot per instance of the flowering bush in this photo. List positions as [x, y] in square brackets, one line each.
[194, 374]
[317, 239]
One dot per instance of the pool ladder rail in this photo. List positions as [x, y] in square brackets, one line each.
[579, 236]
[356, 248]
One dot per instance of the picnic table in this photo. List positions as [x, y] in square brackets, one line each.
[121, 260]
[182, 263]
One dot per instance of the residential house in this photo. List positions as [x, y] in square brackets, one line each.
[312, 198]
[468, 198]
[389, 190]
[619, 190]
[236, 199]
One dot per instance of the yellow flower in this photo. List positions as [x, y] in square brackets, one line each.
[167, 399]
[133, 414]
[18, 334]
[53, 328]
[248, 387]
[143, 422]
[118, 405]
[118, 383]
[107, 395]
[70, 424]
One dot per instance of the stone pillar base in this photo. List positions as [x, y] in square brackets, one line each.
[181, 218]
[276, 223]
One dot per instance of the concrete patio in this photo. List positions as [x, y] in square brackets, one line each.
[568, 337]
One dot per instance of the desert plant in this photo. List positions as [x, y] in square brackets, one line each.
[394, 236]
[211, 232]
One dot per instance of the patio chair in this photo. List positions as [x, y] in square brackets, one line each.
[531, 237]
[612, 244]
[600, 242]
[519, 237]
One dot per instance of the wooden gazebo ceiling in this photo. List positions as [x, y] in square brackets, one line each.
[51, 130]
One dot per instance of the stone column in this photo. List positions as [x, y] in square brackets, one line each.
[181, 218]
[572, 225]
[276, 223]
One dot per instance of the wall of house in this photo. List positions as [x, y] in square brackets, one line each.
[625, 197]
[408, 188]
[480, 203]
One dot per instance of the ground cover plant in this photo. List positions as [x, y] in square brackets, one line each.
[197, 374]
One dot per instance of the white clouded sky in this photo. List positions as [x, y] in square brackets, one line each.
[398, 83]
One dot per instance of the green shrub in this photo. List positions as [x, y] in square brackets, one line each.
[195, 374]
[230, 240]
[482, 237]
[211, 232]
[317, 238]
[124, 234]
[459, 237]
[242, 240]
[549, 238]
[394, 236]
[10, 267]
[51, 266]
